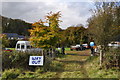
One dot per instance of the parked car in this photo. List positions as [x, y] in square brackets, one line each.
[86, 46]
[77, 47]
[114, 44]
[7, 50]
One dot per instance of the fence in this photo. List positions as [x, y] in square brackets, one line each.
[52, 53]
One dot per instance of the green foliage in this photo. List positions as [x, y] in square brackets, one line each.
[15, 26]
[94, 70]
[74, 74]
[4, 41]
[27, 74]
[104, 24]
[111, 59]
[47, 75]
[73, 35]
[20, 60]
[39, 70]
[12, 43]
[104, 28]
[11, 74]
[56, 66]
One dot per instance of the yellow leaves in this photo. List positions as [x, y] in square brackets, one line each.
[45, 36]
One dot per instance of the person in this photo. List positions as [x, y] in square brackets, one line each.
[95, 49]
[63, 50]
[92, 44]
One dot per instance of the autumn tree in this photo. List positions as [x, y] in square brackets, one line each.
[45, 36]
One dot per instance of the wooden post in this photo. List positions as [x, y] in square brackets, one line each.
[49, 53]
[42, 52]
[101, 58]
[53, 53]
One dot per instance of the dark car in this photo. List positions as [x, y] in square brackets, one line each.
[77, 48]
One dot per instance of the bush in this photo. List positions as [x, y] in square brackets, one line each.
[112, 58]
[21, 60]
[39, 70]
[27, 74]
[11, 74]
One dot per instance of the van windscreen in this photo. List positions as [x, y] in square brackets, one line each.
[28, 46]
[22, 46]
[18, 46]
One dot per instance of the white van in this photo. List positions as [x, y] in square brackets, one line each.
[25, 46]
[114, 44]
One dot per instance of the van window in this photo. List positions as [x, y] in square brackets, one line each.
[18, 46]
[28, 46]
[22, 46]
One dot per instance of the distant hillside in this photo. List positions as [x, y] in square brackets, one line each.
[15, 26]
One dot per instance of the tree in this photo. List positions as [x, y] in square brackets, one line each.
[45, 36]
[15, 26]
[103, 25]
[73, 35]
[4, 41]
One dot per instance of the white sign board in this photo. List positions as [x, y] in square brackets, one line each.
[36, 60]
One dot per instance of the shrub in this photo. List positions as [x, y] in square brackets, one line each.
[20, 60]
[112, 58]
[27, 74]
[11, 74]
[39, 70]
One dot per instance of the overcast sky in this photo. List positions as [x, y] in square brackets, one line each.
[73, 13]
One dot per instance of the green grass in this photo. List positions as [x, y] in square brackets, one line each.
[11, 48]
[73, 74]
[67, 49]
[94, 71]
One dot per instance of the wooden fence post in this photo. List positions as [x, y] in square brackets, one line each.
[101, 58]
[42, 52]
[49, 52]
[52, 53]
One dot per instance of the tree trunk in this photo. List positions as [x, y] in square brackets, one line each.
[101, 58]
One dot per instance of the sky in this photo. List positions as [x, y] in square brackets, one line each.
[73, 11]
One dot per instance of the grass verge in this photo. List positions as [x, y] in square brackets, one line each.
[94, 70]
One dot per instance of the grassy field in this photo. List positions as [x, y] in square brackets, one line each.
[75, 64]
[11, 48]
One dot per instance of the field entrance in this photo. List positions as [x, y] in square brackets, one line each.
[73, 64]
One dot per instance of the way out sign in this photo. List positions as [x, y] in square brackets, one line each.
[36, 60]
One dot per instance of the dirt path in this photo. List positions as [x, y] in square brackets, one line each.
[73, 65]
